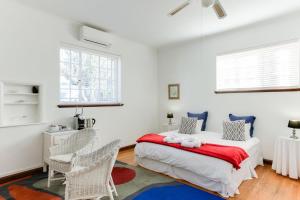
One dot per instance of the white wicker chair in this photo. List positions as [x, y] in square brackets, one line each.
[62, 155]
[90, 177]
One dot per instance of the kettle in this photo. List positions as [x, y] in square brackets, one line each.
[90, 122]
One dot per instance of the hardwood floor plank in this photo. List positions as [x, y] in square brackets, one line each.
[268, 185]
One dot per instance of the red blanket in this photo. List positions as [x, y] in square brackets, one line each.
[231, 154]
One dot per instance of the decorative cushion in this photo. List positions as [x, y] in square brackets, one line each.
[199, 126]
[188, 125]
[234, 130]
[248, 119]
[199, 116]
[65, 158]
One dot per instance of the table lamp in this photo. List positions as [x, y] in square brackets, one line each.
[294, 124]
[170, 116]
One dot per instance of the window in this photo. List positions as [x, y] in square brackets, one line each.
[263, 69]
[89, 77]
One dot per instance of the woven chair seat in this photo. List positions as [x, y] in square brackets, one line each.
[65, 158]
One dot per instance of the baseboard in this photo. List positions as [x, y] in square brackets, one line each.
[20, 170]
[127, 147]
[19, 175]
[268, 162]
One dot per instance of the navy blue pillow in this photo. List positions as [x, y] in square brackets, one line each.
[200, 116]
[248, 119]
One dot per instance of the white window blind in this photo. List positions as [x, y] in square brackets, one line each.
[89, 77]
[272, 67]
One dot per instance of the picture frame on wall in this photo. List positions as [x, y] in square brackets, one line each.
[174, 91]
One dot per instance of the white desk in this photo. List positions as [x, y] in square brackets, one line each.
[286, 160]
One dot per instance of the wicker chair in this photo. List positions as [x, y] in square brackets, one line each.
[90, 177]
[62, 155]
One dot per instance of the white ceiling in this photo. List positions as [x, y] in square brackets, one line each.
[146, 21]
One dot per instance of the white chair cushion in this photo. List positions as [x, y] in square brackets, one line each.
[66, 158]
[77, 168]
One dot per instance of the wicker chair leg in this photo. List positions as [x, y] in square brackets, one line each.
[110, 194]
[67, 191]
[49, 177]
[111, 181]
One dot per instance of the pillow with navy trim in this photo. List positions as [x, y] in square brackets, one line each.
[188, 125]
[248, 119]
[199, 116]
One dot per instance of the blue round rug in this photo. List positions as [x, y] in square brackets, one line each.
[171, 191]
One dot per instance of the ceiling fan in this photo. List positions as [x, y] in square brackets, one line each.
[215, 4]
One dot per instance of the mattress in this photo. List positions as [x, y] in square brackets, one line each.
[212, 171]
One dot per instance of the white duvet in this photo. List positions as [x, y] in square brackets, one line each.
[212, 168]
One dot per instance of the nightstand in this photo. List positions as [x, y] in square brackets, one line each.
[170, 127]
[286, 160]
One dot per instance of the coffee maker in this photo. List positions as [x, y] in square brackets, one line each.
[80, 122]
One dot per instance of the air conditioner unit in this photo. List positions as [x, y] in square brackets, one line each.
[94, 36]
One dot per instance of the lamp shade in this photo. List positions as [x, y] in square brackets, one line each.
[294, 124]
[170, 115]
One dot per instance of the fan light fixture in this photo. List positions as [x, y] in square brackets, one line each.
[215, 4]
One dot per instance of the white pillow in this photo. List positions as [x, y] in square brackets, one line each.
[199, 126]
[247, 131]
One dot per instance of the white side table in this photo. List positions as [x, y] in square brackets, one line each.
[170, 127]
[286, 159]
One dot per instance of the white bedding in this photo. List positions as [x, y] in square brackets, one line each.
[213, 169]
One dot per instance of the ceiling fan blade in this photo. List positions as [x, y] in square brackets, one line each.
[179, 8]
[218, 8]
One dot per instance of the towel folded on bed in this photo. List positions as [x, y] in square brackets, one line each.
[185, 141]
[173, 139]
[190, 142]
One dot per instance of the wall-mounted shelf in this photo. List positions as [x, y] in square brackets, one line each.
[29, 94]
[20, 104]
[15, 125]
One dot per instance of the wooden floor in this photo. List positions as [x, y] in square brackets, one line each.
[269, 185]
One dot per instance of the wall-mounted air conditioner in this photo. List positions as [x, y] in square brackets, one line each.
[94, 36]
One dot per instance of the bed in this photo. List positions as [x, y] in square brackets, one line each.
[207, 172]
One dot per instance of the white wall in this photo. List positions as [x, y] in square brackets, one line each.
[193, 65]
[29, 47]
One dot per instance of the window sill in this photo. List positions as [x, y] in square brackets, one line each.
[258, 91]
[89, 105]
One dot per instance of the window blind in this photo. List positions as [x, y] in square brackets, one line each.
[89, 77]
[272, 67]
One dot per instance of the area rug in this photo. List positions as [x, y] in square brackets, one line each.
[133, 183]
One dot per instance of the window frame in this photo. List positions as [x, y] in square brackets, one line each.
[259, 89]
[63, 104]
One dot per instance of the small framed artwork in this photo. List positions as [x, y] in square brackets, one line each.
[174, 91]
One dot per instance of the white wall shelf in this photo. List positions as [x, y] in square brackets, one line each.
[29, 94]
[28, 124]
[19, 105]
